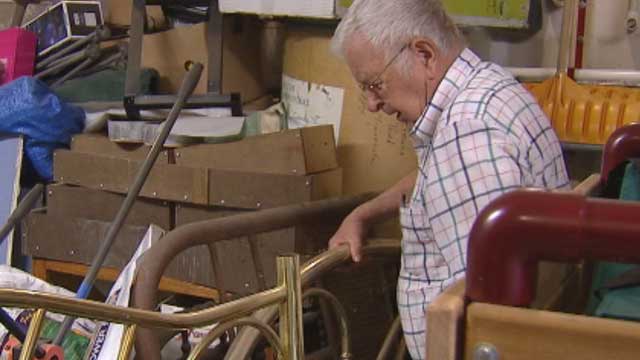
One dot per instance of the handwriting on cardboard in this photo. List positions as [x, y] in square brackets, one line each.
[309, 104]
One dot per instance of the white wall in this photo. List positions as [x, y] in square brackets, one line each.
[607, 43]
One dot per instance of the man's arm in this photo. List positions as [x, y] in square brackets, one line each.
[356, 225]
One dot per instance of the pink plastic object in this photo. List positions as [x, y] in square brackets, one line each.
[17, 53]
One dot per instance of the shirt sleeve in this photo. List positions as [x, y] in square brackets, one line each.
[472, 164]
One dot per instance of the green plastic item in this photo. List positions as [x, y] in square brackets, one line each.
[621, 303]
[495, 13]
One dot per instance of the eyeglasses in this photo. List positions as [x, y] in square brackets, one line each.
[375, 86]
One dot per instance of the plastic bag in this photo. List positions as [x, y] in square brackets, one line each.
[29, 108]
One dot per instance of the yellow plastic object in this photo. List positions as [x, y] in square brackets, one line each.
[586, 114]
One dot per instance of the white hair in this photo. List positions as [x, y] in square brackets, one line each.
[391, 24]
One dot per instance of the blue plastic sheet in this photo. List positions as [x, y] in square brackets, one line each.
[29, 108]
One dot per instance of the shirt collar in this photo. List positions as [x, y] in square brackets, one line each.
[454, 80]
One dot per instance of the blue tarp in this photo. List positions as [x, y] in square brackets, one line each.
[29, 108]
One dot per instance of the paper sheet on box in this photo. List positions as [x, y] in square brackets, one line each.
[311, 104]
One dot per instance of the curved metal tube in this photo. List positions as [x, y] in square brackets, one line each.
[151, 319]
[519, 229]
[341, 314]
[158, 257]
[128, 339]
[21, 210]
[31, 341]
[221, 313]
[394, 332]
[247, 339]
[265, 329]
[624, 143]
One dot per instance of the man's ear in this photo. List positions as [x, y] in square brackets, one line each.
[427, 54]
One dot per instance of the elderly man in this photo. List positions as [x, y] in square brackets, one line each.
[476, 131]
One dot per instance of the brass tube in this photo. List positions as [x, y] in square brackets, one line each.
[30, 343]
[155, 260]
[328, 260]
[288, 267]
[312, 270]
[265, 329]
[341, 314]
[128, 339]
[387, 345]
[100, 311]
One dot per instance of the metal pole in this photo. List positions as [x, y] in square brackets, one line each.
[23, 208]
[288, 267]
[31, 342]
[128, 339]
[187, 87]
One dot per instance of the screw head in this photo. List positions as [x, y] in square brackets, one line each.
[485, 351]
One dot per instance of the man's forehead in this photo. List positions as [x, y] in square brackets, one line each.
[362, 57]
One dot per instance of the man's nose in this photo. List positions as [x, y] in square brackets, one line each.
[374, 104]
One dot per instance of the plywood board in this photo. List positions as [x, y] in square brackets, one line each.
[165, 181]
[11, 164]
[101, 145]
[77, 240]
[525, 334]
[292, 152]
[81, 202]
[261, 191]
[246, 264]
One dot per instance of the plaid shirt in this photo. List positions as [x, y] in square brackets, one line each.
[481, 135]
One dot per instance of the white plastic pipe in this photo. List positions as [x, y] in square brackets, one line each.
[601, 76]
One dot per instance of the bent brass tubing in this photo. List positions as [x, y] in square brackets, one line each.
[100, 311]
[290, 320]
[393, 333]
[328, 260]
[341, 314]
[155, 260]
[314, 268]
[31, 341]
[265, 329]
[128, 339]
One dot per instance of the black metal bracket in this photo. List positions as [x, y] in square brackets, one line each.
[133, 102]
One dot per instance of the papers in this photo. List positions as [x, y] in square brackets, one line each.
[309, 104]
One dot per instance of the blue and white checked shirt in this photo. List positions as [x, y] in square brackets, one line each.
[482, 134]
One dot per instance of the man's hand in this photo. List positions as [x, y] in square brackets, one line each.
[352, 231]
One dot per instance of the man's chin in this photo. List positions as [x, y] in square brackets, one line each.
[403, 119]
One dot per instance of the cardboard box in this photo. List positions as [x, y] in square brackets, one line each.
[169, 51]
[326, 9]
[80, 202]
[165, 182]
[261, 191]
[301, 152]
[118, 12]
[77, 240]
[65, 22]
